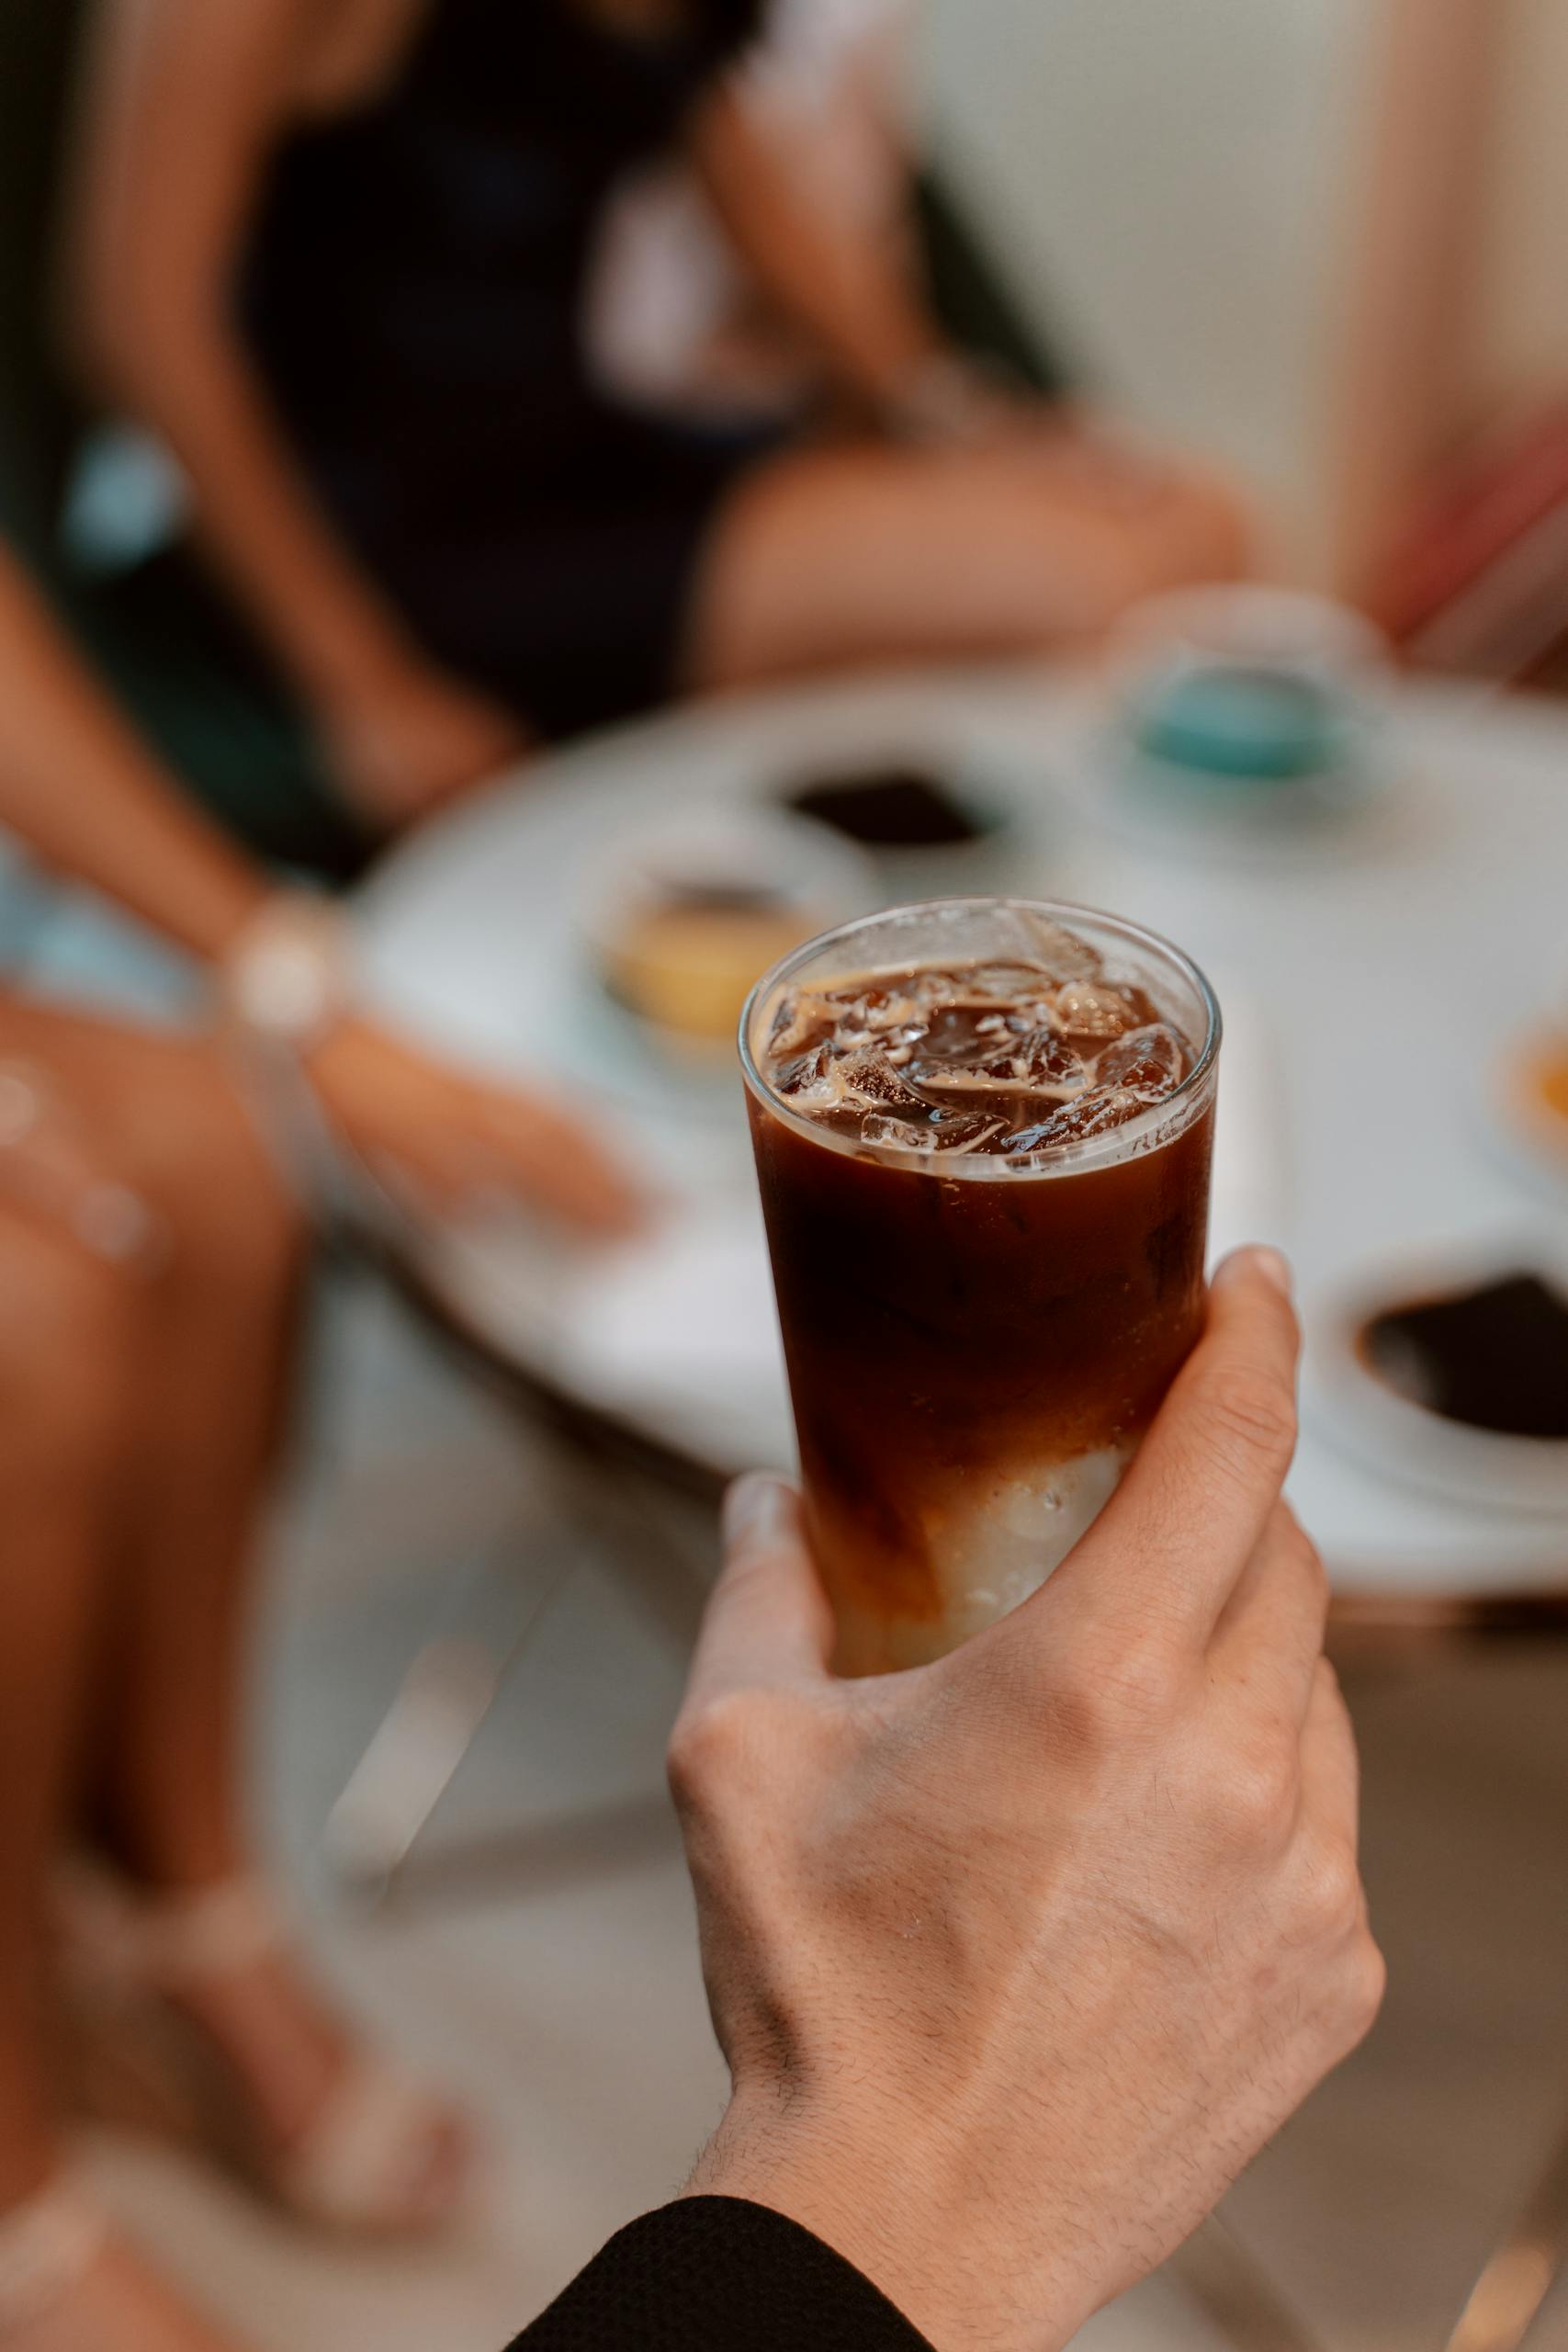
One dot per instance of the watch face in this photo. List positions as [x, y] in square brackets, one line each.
[287, 980]
[291, 986]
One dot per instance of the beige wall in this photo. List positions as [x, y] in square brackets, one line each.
[1177, 183]
[1315, 237]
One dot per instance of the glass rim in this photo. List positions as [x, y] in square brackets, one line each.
[1153, 1128]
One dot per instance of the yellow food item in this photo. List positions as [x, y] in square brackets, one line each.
[1550, 1079]
[689, 969]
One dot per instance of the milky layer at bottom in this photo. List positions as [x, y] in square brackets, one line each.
[990, 1543]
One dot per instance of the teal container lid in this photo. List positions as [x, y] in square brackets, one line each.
[1247, 722]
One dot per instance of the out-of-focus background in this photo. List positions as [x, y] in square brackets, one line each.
[514, 517]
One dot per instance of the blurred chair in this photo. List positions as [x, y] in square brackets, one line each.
[159, 634]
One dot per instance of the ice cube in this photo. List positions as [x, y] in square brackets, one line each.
[802, 1022]
[806, 1073]
[871, 1080]
[1042, 946]
[1092, 1115]
[1151, 1062]
[1043, 1063]
[879, 1010]
[1038, 1063]
[1006, 983]
[943, 1131]
[1093, 1009]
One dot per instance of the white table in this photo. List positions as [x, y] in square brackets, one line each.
[1371, 977]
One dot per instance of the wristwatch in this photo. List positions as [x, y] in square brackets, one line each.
[284, 979]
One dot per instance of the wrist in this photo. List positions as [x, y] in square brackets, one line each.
[893, 2208]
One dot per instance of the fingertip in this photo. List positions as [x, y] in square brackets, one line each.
[768, 1619]
[1256, 1262]
[759, 1510]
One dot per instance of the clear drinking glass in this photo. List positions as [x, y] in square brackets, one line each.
[975, 1344]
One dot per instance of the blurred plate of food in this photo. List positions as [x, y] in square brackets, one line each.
[931, 820]
[1448, 1370]
[685, 913]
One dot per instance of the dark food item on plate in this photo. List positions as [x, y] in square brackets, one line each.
[890, 809]
[1495, 1358]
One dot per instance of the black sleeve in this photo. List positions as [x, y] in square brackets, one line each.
[713, 2274]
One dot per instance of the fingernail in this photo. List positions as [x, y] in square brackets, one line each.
[1269, 1265]
[756, 1509]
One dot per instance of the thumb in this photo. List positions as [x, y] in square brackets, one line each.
[768, 1619]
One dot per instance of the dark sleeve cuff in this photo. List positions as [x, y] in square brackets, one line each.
[714, 2274]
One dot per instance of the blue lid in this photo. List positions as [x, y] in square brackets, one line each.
[1244, 721]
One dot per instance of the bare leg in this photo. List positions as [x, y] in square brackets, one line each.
[224, 1316]
[221, 1321]
[75, 1352]
[67, 1325]
[837, 557]
[208, 1407]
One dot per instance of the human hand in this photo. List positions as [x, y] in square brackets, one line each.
[453, 1136]
[1020, 1958]
[409, 736]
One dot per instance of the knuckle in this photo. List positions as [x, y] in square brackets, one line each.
[1251, 1420]
[1366, 1983]
[721, 1745]
[1252, 1801]
[1114, 1688]
[1306, 1556]
[1334, 1898]
[709, 1739]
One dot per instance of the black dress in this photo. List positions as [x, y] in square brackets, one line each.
[412, 296]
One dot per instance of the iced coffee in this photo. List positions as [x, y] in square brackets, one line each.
[982, 1132]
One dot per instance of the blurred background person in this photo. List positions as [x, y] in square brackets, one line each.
[150, 1262]
[336, 258]
[76, 1338]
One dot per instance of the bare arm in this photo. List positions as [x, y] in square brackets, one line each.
[844, 288]
[79, 788]
[184, 102]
